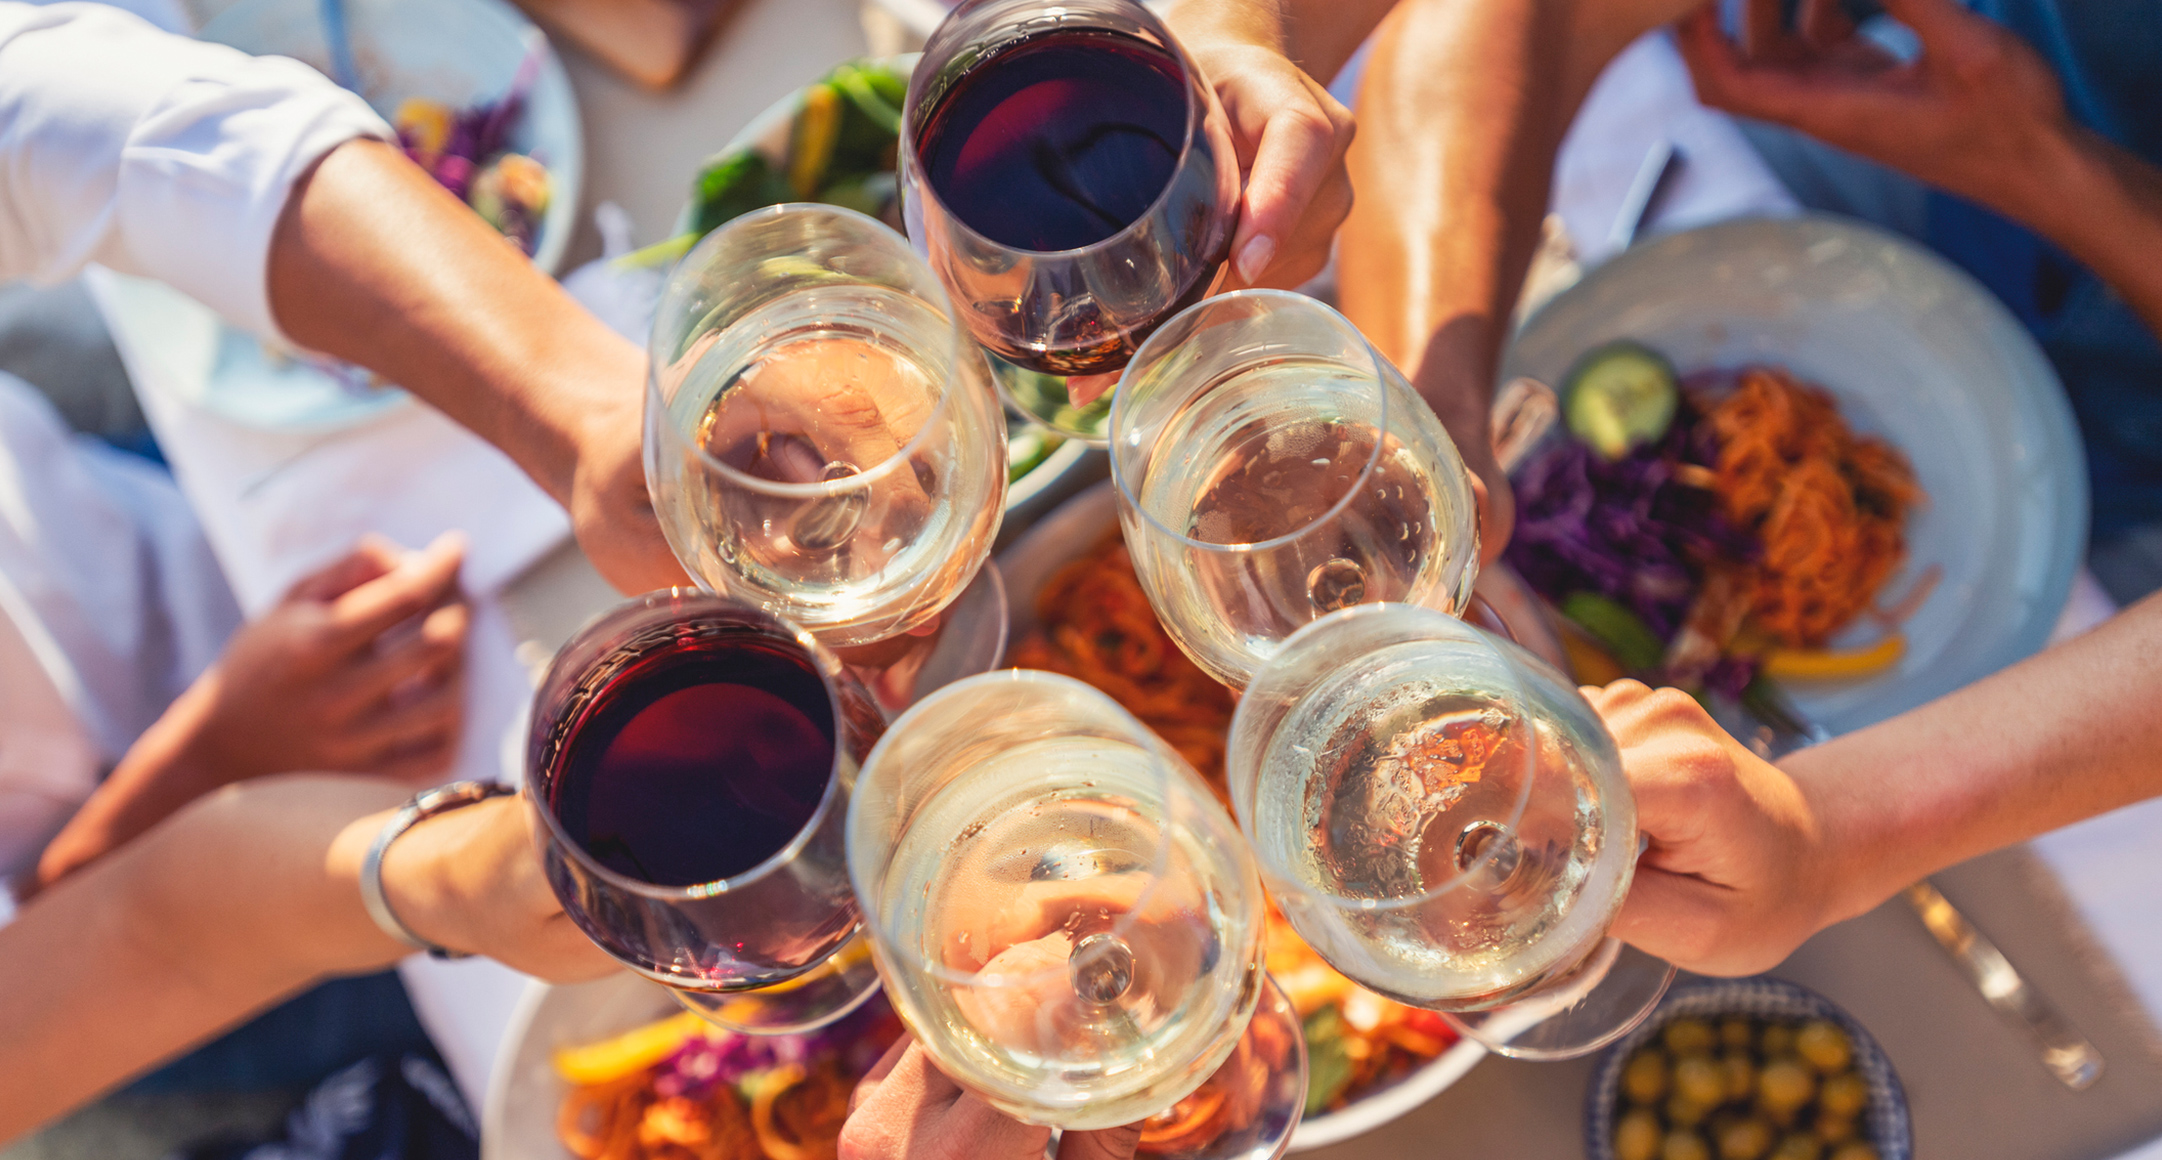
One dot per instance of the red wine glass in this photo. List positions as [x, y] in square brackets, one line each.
[1071, 177]
[691, 760]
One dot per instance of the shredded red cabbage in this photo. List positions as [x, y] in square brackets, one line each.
[706, 1062]
[1624, 529]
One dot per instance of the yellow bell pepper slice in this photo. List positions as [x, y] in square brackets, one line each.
[628, 1053]
[1834, 664]
[818, 128]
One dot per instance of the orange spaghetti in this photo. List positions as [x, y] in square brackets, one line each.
[1098, 627]
[1828, 505]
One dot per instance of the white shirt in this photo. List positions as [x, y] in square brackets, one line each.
[157, 155]
[154, 154]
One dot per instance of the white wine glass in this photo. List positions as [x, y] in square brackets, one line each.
[1444, 818]
[1272, 467]
[1066, 918]
[822, 437]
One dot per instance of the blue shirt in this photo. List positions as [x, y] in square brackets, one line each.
[2108, 56]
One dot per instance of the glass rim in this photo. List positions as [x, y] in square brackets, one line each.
[1196, 117]
[774, 627]
[963, 348]
[1165, 762]
[1121, 475]
[1281, 879]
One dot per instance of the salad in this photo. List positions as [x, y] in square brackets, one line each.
[467, 151]
[1714, 531]
[683, 1089]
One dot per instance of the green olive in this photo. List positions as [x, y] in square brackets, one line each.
[1684, 1145]
[1637, 1135]
[1834, 1129]
[1778, 1039]
[1745, 1140]
[1685, 1113]
[1684, 1036]
[1798, 1147]
[1644, 1079]
[1855, 1150]
[1741, 1074]
[1845, 1094]
[1737, 1033]
[1785, 1084]
[1824, 1045]
[1700, 1080]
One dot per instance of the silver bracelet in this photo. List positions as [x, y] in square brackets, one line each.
[425, 804]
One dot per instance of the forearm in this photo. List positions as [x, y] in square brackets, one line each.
[2104, 207]
[241, 899]
[163, 771]
[374, 263]
[2063, 736]
[1317, 35]
[1461, 112]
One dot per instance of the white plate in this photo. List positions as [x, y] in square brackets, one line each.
[518, 1119]
[1914, 350]
[1062, 536]
[454, 51]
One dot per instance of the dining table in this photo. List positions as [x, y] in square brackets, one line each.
[2078, 914]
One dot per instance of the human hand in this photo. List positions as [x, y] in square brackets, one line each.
[1290, 136]
[358, 669]
[610, 507]
[906, 1109]
[471, 880]
[1978, 114]
[1738, 872]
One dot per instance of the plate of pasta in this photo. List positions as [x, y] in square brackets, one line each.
[1799, 449]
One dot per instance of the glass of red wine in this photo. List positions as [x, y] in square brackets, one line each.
[1069, 173]
[691, 760]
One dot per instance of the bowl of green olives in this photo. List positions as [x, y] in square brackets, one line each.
[1747, 1069]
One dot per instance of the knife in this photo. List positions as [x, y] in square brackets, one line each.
[2065, 1052]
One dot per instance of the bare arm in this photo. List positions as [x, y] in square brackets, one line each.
[1748, 859]
[1461, 111]
[243, 898]
[375, 263]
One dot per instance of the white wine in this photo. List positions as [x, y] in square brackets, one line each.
[1452, 847]
[864, 493]
[1086, 945]
[1290, 463]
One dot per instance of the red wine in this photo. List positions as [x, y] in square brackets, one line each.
[697, 763]
[1059, 140]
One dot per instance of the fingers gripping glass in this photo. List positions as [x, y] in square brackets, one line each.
[1444, 818]
[1068, 172]
[822, 438]
[691, 760]
[1067, 919]
[1272, 468]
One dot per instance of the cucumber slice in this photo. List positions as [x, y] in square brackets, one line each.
[1619, 396]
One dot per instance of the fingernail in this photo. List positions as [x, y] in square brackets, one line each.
[1255, 258]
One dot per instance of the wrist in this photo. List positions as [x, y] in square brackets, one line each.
[1865, 845]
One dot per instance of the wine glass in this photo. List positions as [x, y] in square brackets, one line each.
[1272, 467]
[1067, 919]
[691, 760]
[822, 437]
[1444, 818]
[1071, 177]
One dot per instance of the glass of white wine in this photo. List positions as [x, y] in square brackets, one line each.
[1444, 818]
[1068, 921]
[1272, 467]
[823, 439]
